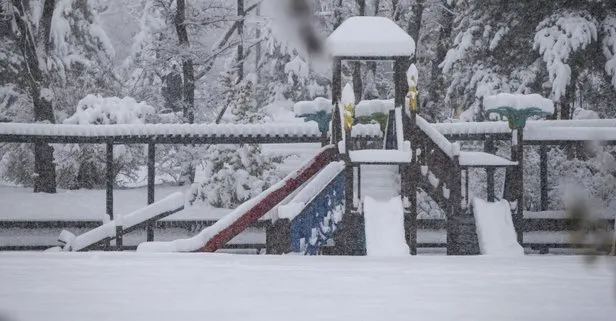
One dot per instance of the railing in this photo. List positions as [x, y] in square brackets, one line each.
[318, 221]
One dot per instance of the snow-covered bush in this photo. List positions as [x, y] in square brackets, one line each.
[235, 173]
[83, 165]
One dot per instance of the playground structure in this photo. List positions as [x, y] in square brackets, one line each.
[331, 204]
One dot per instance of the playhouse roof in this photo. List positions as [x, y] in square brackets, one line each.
[370, 37]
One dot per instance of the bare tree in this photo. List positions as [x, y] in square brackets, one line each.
[34, 46]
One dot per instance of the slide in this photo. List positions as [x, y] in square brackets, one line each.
[495, 228]
[385, 227]
[153, 212]
[214, 237]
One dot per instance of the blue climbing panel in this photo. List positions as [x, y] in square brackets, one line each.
[318, 221]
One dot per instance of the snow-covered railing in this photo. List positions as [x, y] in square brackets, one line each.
[288, 129]
[473, 128]
[533, 127]
[173, 133]
[165, 207]
[295, 206]
[550, 133]
[449, 148]
[318, 219]
[402, 145]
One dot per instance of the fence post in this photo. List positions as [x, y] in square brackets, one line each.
[119, 233]
[151, 182]
[109, 180]
[488, 147]
[543, 173]
[454, 212]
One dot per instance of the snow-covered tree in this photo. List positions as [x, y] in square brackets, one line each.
[547, 48]
[83, 165]
[235, 173]
[62, 47]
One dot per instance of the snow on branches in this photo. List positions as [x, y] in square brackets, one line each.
[560, 36]
[609, 46]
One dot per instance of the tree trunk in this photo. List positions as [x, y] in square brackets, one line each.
[358, 86]
[414, 25]
[44, 167]
[436, 86]
[188, 92]
[240, 46]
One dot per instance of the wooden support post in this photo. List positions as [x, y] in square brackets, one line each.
[466, 178]
[359, 182]
[151, 182]
[400, 84]
[119, 238]
[516, 193]
[455, 208]
[109, 178]
[488, 147]
[543, 174]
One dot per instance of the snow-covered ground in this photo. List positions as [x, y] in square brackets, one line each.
[130, 286]
[21, 204]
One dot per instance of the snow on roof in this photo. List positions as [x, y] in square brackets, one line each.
[518, 102]
[370, 37]
[366, 130]
[312, 106]
[369, 107]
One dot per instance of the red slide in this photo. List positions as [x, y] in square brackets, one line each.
[271, 198]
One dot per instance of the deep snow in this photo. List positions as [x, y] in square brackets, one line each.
[130, 286]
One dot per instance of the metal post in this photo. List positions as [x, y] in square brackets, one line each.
[400, 84]
[359, 182]
[119, 238]
[543, 169]
[151, 182]
[109, 180]
[520, 185]
[454, 212]
[488, 147]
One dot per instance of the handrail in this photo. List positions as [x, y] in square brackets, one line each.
[310, 191]
[450, 149]
[108, 231]
[399, 129]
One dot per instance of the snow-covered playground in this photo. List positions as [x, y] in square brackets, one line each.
[307, 177]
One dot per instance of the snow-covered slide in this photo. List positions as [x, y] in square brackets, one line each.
[153, 212]
[495, 229]
[215, 236]
[385, 227]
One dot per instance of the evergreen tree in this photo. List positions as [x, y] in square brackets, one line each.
[235, 173]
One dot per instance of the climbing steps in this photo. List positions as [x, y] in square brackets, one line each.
[381, 182]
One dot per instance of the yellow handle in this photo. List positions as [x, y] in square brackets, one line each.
[348, 116]
[413, 92]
